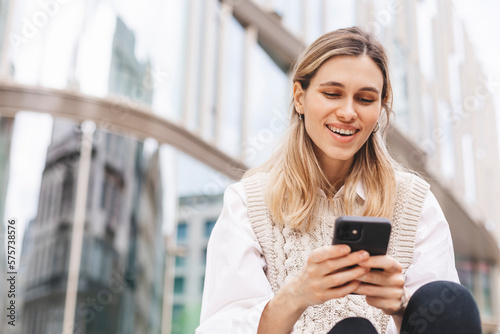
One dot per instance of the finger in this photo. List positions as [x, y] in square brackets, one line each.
[342, 291]
[385, 262]
[334, 265]
[383, 279]
[342, 277]
[388, 306]
[328, 252]
[377, 291]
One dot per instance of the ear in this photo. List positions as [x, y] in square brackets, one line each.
[298, 97]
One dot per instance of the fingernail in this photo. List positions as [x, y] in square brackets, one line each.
[363, 255]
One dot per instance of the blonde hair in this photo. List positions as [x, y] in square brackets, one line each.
[294, 169]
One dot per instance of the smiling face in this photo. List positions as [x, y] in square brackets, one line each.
[341, 107]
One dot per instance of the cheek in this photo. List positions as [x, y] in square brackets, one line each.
[373, 115]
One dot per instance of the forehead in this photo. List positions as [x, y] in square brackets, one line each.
[350, 71]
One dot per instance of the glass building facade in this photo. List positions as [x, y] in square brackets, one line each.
[122, 123]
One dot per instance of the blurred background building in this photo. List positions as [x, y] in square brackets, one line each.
[183, 96]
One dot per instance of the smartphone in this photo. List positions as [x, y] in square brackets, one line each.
[363, 233]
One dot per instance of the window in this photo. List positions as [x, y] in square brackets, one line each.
[469, 169]
[177, 319]
[477, 277]
[67, 193]
[209, 226]
[179, 285]
[180, 261]
[204, 256]
[182, 231]
[111, 197]
[484, 282]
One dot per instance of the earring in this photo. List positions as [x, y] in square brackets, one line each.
[300, 116]
[377, 127]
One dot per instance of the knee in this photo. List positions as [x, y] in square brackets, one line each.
[443, 304]
[353, 325]
[441, 293]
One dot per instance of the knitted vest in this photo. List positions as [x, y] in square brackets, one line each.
[286, 250]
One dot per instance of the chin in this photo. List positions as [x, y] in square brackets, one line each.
[341, 157]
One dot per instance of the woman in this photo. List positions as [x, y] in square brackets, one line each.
[271, 267]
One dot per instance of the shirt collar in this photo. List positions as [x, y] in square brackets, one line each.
[360, 191]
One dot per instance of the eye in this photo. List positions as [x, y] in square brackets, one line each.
[366, 100]
[331, 95]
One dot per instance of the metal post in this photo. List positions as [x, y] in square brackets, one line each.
[250, 44]
[88, 129]
[208, 71]
[226, 12]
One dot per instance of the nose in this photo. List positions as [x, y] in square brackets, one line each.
[346, 111]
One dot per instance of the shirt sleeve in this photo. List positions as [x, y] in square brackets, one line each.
[236, 288]
[434, 258]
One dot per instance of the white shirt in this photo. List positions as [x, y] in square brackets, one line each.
[236, 287]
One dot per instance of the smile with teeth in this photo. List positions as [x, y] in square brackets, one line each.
[343, 132]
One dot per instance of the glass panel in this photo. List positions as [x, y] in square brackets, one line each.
[179, 285]
[465, 269]
[180, 261]
[469, 167]
[340, 14]
[182, 232]
[43, 161]
[477, 277]
[200, 202]
[177, 319]
[127, 216]
[292, 16]
[233, 81]
[102, 47]
[269, 108]
[4, 11]
[209, 225]
[6, 128]
[484, 273]
[121, 281]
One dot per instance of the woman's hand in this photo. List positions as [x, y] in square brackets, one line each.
[326, 275]
[323, 277]
[384, 289]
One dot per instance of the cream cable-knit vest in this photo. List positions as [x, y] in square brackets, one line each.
[286, 250]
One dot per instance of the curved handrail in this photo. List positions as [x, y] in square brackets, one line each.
[119, 115]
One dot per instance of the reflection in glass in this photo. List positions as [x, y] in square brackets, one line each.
[200, 202]
[4, 11]
[182, 232]
[6, 126]
[209, 226]
[477, 277]
[269, 108]
[121, 272]
[231, 106]
[128, 76]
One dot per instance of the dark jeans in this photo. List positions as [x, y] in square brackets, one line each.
[436, 308]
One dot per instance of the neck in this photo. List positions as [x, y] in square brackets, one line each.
[336, 173]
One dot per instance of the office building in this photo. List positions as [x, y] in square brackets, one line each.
[210, 79]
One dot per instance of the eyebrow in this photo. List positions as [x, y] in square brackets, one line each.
[338, 84]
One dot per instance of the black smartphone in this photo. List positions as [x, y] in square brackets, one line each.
[363, 233]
